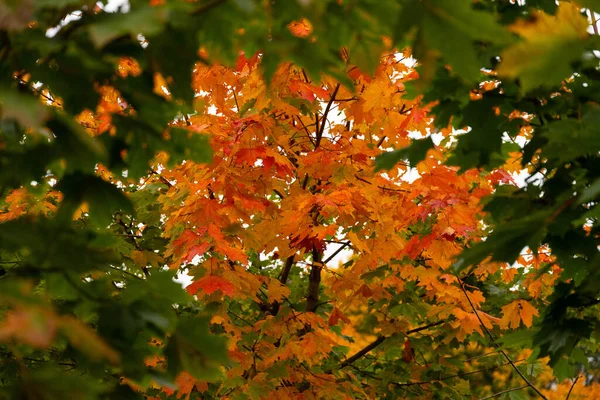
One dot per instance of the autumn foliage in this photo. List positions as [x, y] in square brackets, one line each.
[256, 226]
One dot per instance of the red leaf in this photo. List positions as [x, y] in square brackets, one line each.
[197, 249]
[249, 156]
[336, 315]
[365, 291]
[307, 91]
[408, 353]
[210, 284]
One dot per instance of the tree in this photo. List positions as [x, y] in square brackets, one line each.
[198, 138]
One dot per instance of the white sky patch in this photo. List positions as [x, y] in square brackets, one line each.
[110, 6]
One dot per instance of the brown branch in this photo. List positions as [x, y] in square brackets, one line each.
[363, 352]
[125, 272]
[379, 186]
[289, 263]
[531, 385]
[314, 281]
[306, 130]
[380, 339]
[342, 247]
[207, 6]
[343, 100]
[38, 91]
[305, 182]
[161, 178]
[572, 386]
[324, 119]
[445, 378]
[505, 391]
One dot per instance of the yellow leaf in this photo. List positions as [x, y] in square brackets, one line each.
[277, 291]
[357, 243]
[83, 208]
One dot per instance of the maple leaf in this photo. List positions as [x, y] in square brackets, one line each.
[249, 156]
[210, 284]
[308, 91]
[301, 28]
[515, 312]
[276, 291]
[196, 250]
[336, 315]
[550, 44]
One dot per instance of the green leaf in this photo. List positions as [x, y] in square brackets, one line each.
[414, 153]
[194, 349]
[77, 147]
[590, 193]
[550, 45]
[102, 198]
[22, 107]
[507, 241]
[590, 4]
[145, 20]
[60, 3]
[563, 370]
[188, 145]
[452, 28]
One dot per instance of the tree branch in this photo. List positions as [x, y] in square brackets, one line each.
[335, 253]
[289, 263]
[572, 386]
[207, 6]
[462, 286]
[504, 391]
[380, 339]
[363, 352]
[445, 378]
[324, 119]
[314, 280]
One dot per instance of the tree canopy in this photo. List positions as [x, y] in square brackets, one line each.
[336, 199]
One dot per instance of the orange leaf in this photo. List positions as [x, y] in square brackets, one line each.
[527, 312]
[517, 311]
[301, 28]
[33, 326]
[276, 291]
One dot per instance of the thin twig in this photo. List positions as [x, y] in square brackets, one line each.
[125, 272]
[445, 378]
[380, 339]
[531, 385]
[207, 6]
[572, 386]
[342, 247]
[324, 119]
[505, 391]
[289, 263]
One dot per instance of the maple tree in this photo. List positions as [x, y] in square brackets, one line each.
[340, 184]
